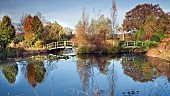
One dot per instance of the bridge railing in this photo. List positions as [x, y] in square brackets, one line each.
[60, 44]
[70, 43]
[130, 44]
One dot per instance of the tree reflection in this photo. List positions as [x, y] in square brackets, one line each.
[162, 66]
[35, 72]
[10, 72]
[145, 69]
[85, 66]
[138, 68]
[111, 78]
[50, 65]
[85, 72]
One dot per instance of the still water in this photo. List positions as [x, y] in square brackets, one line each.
[86, 75]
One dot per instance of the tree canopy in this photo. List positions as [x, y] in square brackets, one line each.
[94, 33]
[38, 28]
[7, 31]
[33, 28]
[136, 17]
[52, 32]
[29, 34]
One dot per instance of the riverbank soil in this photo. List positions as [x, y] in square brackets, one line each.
[162, 51]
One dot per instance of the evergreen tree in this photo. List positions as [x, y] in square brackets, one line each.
[38, 28]
[7, 31]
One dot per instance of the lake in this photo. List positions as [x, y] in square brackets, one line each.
[85, 75]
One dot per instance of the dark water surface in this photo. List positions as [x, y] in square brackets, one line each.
[86, 75]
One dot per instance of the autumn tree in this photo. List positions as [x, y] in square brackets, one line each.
[164, 24]
[150, 24]
[52, 32]
[38, 28]
[7, 31]
[98, 32]
[82, 29]
[55, 31]
[136, 17]
[114, 16]
[113, 27]
[93, 34]
[22, 19]
[29, 34]
[96, 25]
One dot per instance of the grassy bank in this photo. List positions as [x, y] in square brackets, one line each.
[119, 48]
[17, 52]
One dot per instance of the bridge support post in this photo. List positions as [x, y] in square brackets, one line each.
[47, 46]
[134, 44]
[55, 45]
[64, 44]
[73, 45]
[127, 44]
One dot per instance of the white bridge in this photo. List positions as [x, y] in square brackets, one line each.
[60, 45]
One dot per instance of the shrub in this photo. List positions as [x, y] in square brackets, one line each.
[155, 38]
[147, 42]
[153, 44]
[138, 43]
[145, 48]
[148, 36]
[121, 44]
[11, 52]
[39, 44]
[159, 33]
[111, 49]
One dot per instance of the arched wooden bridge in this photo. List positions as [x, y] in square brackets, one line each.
[131, 44]
[60, 45]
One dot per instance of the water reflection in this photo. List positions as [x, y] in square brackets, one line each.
[35, 72]
[10, 72]
[86, 66]
[144, 69]
[50, 65]
[162, 67]
[138, 68]
[89, 75]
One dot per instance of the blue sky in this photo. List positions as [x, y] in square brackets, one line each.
[68, 12]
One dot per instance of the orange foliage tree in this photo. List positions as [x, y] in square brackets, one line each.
[93, 34]
[81, 30]
[99, 31]
[29, 34]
